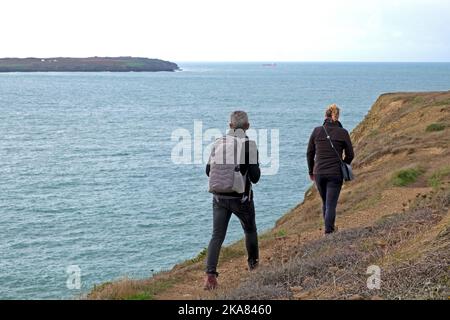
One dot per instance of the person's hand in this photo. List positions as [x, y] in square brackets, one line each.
[311, 176]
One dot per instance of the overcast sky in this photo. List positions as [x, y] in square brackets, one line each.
[229, 30]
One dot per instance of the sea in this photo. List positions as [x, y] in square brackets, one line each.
[102, 175]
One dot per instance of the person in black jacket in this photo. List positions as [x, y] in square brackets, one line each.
[324, 165]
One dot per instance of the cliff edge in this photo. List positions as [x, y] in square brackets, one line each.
[394, 224]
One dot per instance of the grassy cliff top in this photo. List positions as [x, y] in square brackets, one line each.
[394, 215]
[112, 64]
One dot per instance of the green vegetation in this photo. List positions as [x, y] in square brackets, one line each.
[417, 100]
[127, 289]
[436, 127]
[265, 235]
[369, 202]
[405, 177]
[445, 102]
[410, 100]
[148, 292]
[199, 257]
[228, 252]
[373, 133]
[140, 296]
[102, 286]
[435, 180]
[233, 251]
[282, 233]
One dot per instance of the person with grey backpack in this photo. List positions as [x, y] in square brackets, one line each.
[327, 168]
[232, 168]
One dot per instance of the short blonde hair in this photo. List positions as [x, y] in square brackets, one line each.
[332, 110]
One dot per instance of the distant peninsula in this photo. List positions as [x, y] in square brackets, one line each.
[92, 64]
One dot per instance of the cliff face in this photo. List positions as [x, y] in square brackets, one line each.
[93, 64]
[393, 220]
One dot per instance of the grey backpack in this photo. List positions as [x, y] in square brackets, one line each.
[225, 160]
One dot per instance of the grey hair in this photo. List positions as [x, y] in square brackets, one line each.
[238, 119]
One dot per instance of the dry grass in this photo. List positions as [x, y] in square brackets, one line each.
[128, 289]
[335, 266]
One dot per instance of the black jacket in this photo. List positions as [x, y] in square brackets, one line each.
[321, 157]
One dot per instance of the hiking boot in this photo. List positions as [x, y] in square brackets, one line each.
[252, 265]
[210, 281]
[335, 229]
[331, 232]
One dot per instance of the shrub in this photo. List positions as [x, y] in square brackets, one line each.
[200, 256]
[281, 233]
[435, 127]
[436, 179]
[405, 177]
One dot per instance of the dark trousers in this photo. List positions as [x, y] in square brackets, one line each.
[329, 187]
[222, 210]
